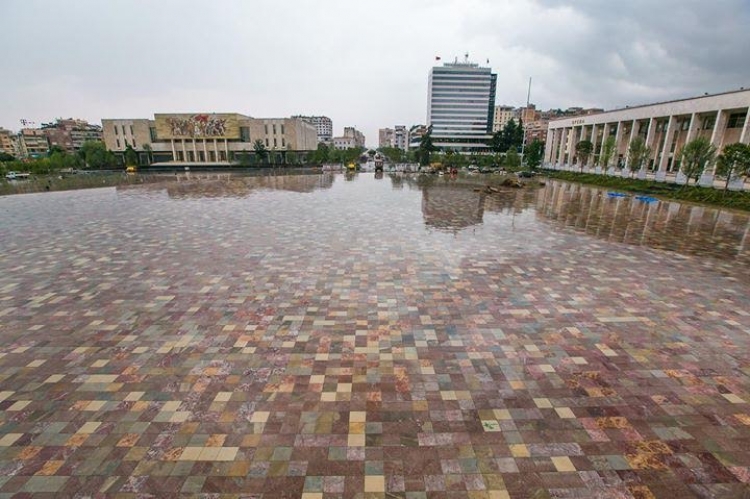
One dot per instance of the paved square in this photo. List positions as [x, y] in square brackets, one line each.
[316, 337]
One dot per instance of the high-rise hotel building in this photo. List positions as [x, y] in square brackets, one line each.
[460, 105]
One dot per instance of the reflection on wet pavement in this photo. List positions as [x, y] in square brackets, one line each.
[351, 336]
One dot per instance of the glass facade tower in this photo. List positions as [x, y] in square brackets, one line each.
[461, 102]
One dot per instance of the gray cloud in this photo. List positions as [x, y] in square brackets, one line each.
[360, 66]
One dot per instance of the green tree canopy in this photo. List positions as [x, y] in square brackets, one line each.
[426, 147]
[260, 149]
[583, 151]
[734, 160]
[696, 156]
[638, 153]
[131, 157]
[608, 150]
[95, 155]
[534, 154]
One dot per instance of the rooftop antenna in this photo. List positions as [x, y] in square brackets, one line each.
[466, 57]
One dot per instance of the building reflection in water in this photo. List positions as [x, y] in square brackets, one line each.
[450, 204]
[219, 186]
[666, 225]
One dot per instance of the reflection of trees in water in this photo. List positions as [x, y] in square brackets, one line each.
[682, 228]
[191, 187]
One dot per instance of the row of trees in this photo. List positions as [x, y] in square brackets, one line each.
[93, 155]
[695, 157]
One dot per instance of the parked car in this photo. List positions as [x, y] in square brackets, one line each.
[526, 174]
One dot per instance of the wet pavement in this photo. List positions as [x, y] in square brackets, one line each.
[330, 336]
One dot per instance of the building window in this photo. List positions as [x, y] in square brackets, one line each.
[266, 141]
[118, 141]
[736, 120]
[282, 129]
[123, 129]
[283, 142]
[274, 142]
[134, 142]
[131, 130]
[708, 123]
[152, 131]
[126, 142]
[274, 129]
[117, 132]
[266, 127]
[245, 134]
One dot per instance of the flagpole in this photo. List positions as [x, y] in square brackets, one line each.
[523, 125]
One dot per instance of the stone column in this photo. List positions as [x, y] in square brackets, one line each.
[205, 151]
[184, 151]
[605, 136]
[226, 149]
[592, 160]
[616, 152]
[661, 175]
[717, 137]
[649, 141]
[745, 135]
[630, 141]
[195, 151]
[563, 143]
[571, 147]
[216, 150]
[549, 146]
[174, 153]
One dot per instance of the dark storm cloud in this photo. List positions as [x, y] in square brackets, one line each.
[626, 52]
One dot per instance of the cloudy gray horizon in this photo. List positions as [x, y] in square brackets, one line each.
[361, 64]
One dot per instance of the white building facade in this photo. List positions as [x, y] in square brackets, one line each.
[460, 105]
[323, 125]
[665, 127]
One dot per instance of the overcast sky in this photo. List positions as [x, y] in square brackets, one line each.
[363, 64]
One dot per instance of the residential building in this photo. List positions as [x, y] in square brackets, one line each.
[415, 134]
[397, 137]
[207, 138]
[401, 137]
[665, 127]
[323, 125]
[351, 138]
[460, 105]
[528, 114]
[7, 142]
[385, 137]
[502, 115]
[32, 143]
[70, 134]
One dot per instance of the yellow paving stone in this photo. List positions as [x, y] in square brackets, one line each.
[563, 463]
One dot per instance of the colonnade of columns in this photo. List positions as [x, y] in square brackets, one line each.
[663, 136]
[193, 143]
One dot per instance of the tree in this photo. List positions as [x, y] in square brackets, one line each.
[426, 148]
[583, 151]
[734, 161]
[511, 136]
[95, 154]
[130, 156]
[149, 153]
[394, 154]
[260, 149]
[534, 154]
[637, 154]
[512, 159]
[695, 157]
[608, 150]
[4, 156]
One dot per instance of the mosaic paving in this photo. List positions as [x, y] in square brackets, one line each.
[323, 337]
